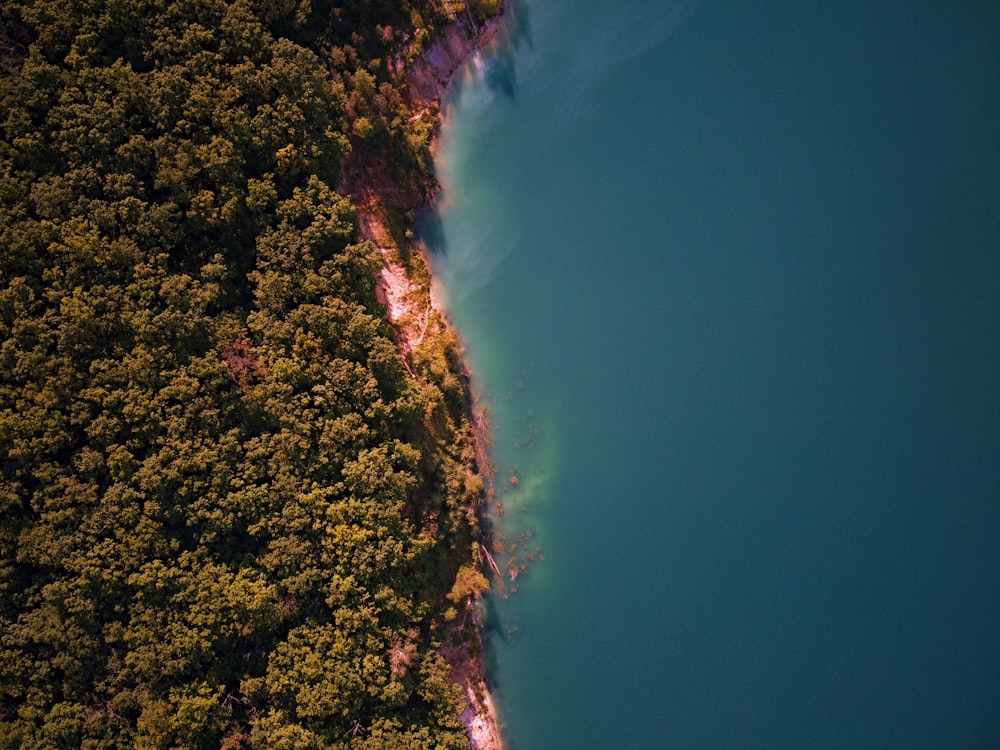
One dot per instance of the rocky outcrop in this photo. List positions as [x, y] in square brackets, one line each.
[430, 73]
[415, 317]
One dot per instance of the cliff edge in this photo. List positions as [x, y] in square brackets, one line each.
[404, 288]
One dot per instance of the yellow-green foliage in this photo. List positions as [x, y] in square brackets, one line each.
[487, 8]
[224, 502]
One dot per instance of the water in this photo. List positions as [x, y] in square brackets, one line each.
[728, 277]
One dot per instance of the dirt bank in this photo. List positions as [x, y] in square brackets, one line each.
[405, 289]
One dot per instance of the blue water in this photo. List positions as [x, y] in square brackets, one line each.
[728, 277]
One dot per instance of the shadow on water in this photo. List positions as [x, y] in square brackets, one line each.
[491, 629]
[492, 624]
[518, 24]
[499, 71]
[494, 68]
[430, 230]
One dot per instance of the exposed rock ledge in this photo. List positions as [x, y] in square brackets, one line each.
[415, 316]
[428, 76]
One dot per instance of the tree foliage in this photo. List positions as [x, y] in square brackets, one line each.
[229, 517]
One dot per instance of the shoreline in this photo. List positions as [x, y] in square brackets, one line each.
[415, 315]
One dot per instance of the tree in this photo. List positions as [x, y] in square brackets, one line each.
[229, 514]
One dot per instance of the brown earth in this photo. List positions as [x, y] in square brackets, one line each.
[412, 311]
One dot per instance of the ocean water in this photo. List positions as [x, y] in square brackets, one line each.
[728, 278]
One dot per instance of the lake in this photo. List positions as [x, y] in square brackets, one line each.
[728, 279]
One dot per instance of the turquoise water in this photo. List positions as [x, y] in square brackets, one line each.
[728, 276]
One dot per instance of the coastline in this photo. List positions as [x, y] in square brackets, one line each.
[404, 287]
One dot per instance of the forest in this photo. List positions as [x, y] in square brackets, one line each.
[231, 516]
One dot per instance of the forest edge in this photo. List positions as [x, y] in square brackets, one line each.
[404, 287]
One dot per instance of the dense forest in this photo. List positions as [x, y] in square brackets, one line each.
[231, 516]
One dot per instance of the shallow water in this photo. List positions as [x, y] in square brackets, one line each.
[728, 277]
